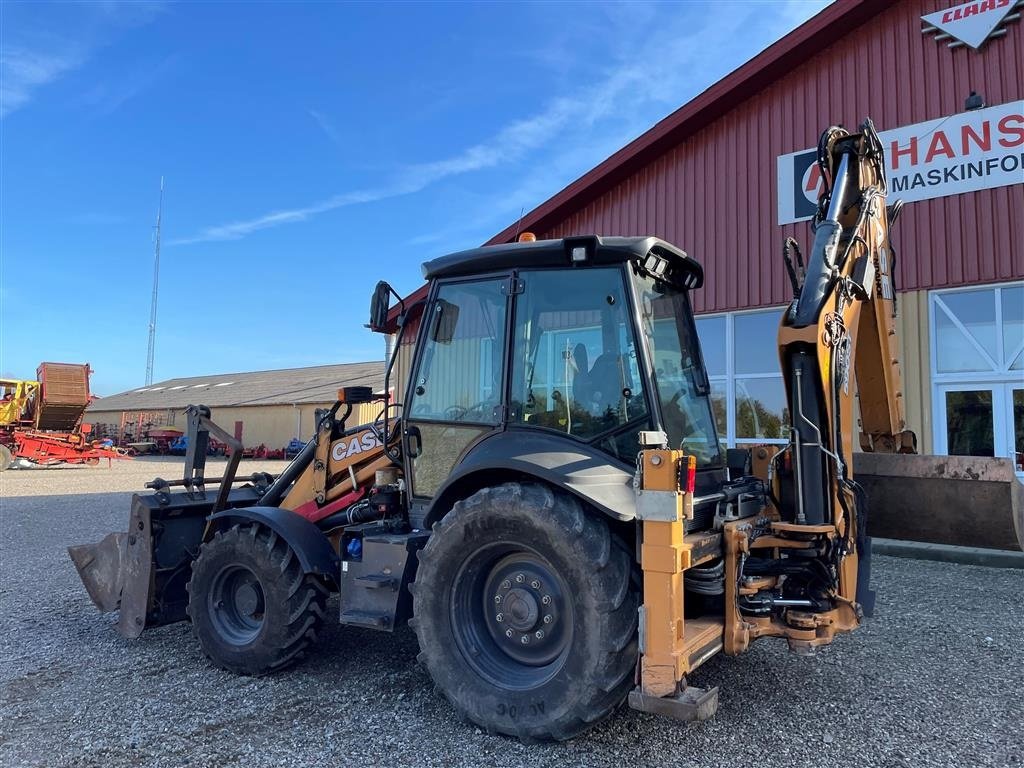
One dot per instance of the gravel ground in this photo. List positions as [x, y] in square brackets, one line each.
[935, 679]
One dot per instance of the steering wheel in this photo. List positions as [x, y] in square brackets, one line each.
[458, 413]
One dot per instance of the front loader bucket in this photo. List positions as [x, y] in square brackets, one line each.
[101, 568]
[143, 573]
[962, 500]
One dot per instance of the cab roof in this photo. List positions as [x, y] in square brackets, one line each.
[679, 267]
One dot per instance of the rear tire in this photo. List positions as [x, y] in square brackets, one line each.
[252, 607]
[526, 614]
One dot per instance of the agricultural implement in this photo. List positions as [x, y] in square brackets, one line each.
[41, 420]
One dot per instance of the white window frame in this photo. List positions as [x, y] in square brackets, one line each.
[999, 379]
[1002, 413]
[730, 375]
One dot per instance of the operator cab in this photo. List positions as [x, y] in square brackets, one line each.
[588, 340]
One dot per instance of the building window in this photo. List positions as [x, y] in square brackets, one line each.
[741, 354]
[977, 352]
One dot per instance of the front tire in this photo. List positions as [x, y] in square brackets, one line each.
[525, 612]
[252, 607]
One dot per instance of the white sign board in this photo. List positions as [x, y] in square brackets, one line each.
[972, 22]
[961, 153]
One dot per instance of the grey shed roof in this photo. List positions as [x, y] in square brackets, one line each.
[282, 387]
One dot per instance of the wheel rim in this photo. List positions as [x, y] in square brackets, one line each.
[512, 616]
[237, 604]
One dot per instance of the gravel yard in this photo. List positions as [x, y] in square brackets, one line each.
[935, 679]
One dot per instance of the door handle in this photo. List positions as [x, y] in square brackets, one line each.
[412, 435]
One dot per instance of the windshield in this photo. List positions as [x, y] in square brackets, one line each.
[575, 366]
[682, 385]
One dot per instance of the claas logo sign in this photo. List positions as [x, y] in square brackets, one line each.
[970, 23]
[961, 153]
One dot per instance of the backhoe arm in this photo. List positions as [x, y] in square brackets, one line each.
[841, 322]
[877, 364]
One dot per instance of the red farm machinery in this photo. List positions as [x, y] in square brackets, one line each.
[41, 420]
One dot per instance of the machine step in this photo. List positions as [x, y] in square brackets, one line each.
[702, 639]
[366, 619]
[690, 704]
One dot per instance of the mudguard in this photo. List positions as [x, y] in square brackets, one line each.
[311, 547]
[581, 469]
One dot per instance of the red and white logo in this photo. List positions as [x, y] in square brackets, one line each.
[811, 184]
[970, 23]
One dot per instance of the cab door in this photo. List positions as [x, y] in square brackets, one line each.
[457, 388]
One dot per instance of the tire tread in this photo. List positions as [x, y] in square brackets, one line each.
[305, 598]
[611, 564]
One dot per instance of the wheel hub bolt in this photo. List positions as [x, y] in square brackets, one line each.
[546, 599]
[520, 578]
[508, 633]
[506, 584]
[548, 619]
[535, 584]
[525, 640]
[539, 634]
[499, 618]
[497, 598]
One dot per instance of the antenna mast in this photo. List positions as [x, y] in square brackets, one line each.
[156, 285]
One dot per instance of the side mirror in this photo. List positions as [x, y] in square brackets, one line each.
[380, 304]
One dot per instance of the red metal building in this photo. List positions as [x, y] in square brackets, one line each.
[728, 176]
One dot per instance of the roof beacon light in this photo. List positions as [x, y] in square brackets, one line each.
[527, 237]
[579, 253]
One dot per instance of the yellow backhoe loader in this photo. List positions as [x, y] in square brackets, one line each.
[550, 507]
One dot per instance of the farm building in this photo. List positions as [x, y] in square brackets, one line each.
[731, 174]
[267, 408]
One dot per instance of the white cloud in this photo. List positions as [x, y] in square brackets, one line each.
[609, 115]
[510, 143]
[35, 55]
[326, 126]
[22, 71]
[666, 65]
[107, 96]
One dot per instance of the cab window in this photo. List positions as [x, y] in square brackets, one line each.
[682, 386]
[575, 366]
[460, 372]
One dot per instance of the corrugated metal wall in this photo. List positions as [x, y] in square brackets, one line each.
[715, 195]
[270, 425]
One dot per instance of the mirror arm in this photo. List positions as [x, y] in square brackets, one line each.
[401, 303]
[400, 322]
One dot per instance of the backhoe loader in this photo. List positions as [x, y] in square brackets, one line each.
[550, 507]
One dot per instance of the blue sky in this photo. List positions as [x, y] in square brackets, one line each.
[308, 150]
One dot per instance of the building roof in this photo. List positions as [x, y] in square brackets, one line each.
[804, 42]
[286, 386]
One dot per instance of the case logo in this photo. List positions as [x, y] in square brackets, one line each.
[355, 445]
